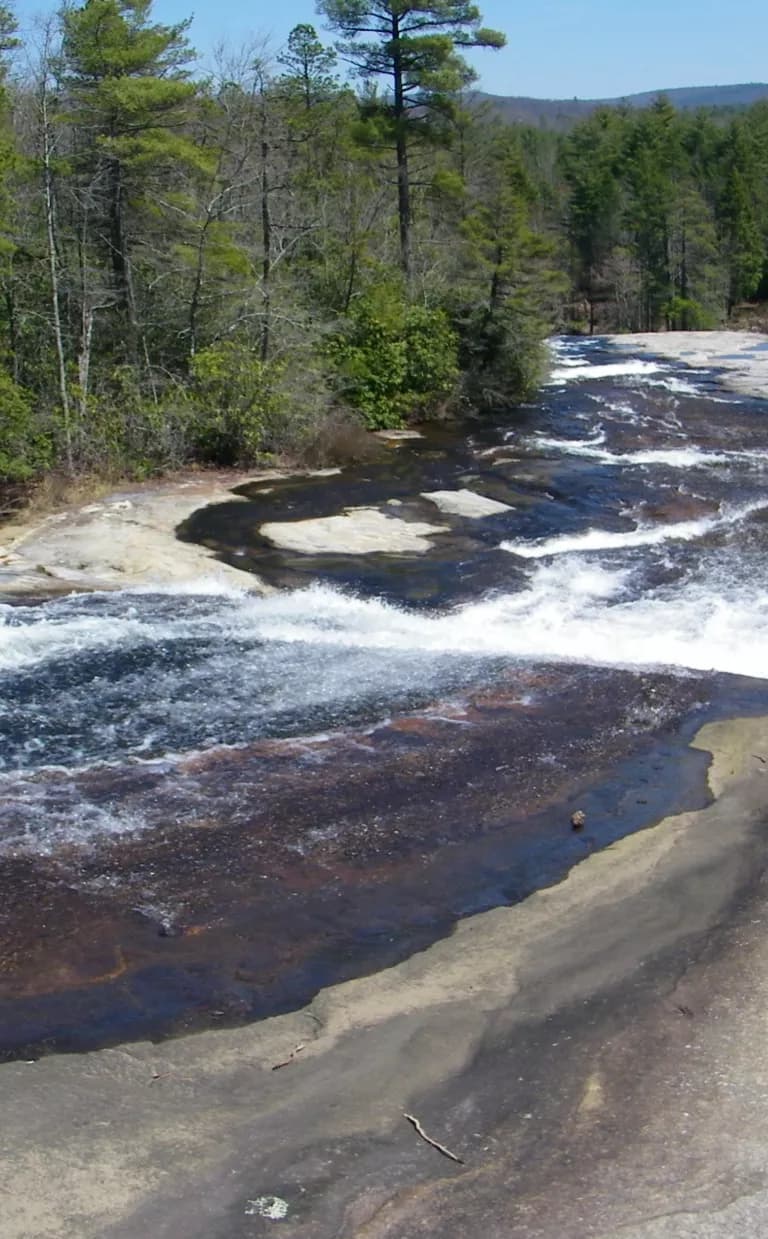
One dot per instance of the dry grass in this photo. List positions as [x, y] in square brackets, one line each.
[339, 439]
[20, 501]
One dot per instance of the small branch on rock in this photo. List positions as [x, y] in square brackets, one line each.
[287, 1061]
[757, 757]
[434, 1143]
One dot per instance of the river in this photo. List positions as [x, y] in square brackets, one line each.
[213, 803]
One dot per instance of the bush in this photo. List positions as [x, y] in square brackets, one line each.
[686, 314]
[502, 355]
[24, 449]
[126, 430]
[337, 438]
[236, 402]
[394, 361]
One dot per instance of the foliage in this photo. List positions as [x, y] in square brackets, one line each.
[510, 284]
[25, 448]
[394, 360]
[416, 50]
[263, 260]
[235, 400]
[666, 215]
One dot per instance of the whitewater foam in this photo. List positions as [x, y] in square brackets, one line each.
[672, 457]
[572, 611]
[641, 535]
[150, 673]
[635, 368]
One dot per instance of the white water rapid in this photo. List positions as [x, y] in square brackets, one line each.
[602, 564]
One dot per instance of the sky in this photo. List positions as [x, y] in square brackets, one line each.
[555, 48]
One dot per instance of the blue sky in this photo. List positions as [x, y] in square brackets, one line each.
[556, 48]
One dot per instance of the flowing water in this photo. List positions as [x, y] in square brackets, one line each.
[628, 564]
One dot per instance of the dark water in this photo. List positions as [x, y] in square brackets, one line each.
[212, 801]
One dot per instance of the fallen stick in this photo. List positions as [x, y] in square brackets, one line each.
[287, 1061]
[435, 1145]
[759, 758]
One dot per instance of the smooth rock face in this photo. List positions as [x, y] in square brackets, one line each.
[125, 540]
[397, 436]
[742, 355]
[465, 503]
[360, 531]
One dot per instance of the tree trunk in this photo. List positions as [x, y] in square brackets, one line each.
[197, 288]
[403, 178]
[266, 236]
[121, 265]
[53, 267]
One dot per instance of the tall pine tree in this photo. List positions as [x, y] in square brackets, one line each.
[128, 96]
[415, 46]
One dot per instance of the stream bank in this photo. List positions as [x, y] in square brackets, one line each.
[593, 1054]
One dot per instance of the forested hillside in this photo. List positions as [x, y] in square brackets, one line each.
[563, 113]
[215, 268]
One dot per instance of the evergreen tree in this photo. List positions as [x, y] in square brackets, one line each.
[653, 162]
[128, 96]
[591, 164]
[213, 269]
[309, 67]
[415, 48]
[509, 282]
[738, 208]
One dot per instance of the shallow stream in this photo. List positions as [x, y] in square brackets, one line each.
[170, 758]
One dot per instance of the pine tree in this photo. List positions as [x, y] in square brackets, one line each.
[743, 239]
[653, 157]
[509, 283]
[415, 47]
[591, 163]
[309, 67]
[128, 95]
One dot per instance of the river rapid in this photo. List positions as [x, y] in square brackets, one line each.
[213, 802]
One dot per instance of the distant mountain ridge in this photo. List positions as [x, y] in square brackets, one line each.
[559, 113]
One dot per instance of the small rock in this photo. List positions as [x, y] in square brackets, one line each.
[578, 820]
[274, 1208]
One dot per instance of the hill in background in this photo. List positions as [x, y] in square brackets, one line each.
[560, 113]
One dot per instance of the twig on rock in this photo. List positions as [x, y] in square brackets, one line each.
[287, 1061]
[435, 1145]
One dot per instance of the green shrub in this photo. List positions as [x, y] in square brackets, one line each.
[24, 449]
[127, 428]
[394, 361]
[686, 314]
[237, 402]
[501, 353]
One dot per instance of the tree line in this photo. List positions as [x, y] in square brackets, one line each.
[666, 216]
[265, 257]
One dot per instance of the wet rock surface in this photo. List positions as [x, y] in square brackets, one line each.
[593, 1055]
[319, 861]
